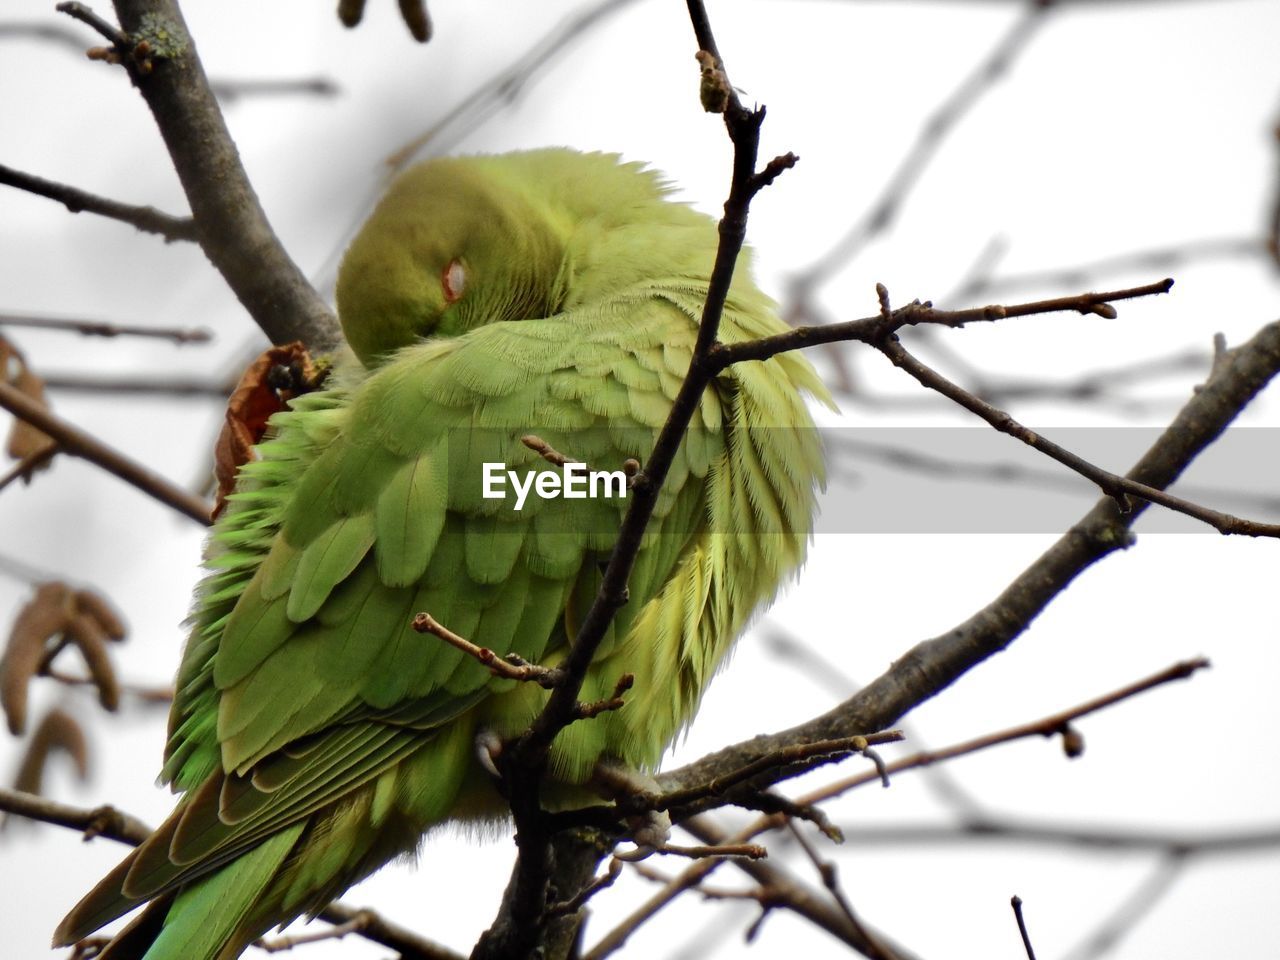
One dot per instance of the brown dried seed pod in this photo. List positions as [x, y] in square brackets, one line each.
[350, 12]
[95, 605]
[44, 617]
[57, 731]
[24, 439]
[87, 634]
[414, 14]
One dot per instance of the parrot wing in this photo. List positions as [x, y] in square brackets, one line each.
[303, 682]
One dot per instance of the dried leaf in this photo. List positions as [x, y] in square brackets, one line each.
[87, 634]
[57, 731]
[43, 618]
[25, 441]
[413, 12]
[54, 617]
[351, 12]
[277, 376]
[95, 605]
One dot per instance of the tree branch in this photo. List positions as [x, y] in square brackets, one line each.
[146, 219]
[933, 133]
[233, 231]
[933, 665]
[107, 821]
[102, 328]
[74, 441]
[516, 931]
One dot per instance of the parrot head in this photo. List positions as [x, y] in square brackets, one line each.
[445, 251]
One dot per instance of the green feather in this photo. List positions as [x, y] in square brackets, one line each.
[314, 735]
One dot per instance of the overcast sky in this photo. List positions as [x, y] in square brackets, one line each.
[1120, 127]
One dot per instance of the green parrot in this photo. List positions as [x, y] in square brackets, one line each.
[314, 735]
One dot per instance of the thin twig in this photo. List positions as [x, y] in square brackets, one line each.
[1016, 903]
[515, 932]
[28, 464]
[799, 756]
[508, 668]
[157, 695]
[74, 441]
[146, 385]
[933, 132]
[78, 11]
[1055, 723]
[233, 230]
[146, 219]
[751, 851]
[1124, 919]
[983, 828]
[104, 821]
[1111, 484]
[1155, 260]
[1048, 726]
[872, 330]
[103, 328]
[569, 907]
[356, 924]
[114, 824]
[831, 880]
[231, 90]
[378, 929]
[701, 826]
[504, 89]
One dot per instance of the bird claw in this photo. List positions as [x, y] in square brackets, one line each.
[638, 853]
[650, 832]
[488, 750]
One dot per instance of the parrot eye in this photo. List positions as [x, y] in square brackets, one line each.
[454, 281]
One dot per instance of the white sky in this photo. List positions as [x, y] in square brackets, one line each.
[1122, 127]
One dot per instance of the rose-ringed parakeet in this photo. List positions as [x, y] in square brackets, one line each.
[314, 736]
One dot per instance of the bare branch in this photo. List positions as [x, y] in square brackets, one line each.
[161, 59]
[1163, 259]
[103, 821]
[503, 667]
[937, 126]
[873, 330]
[505, 88]
[228, 91]
[989, 829]
[76, 442]
[79, 11]
[146, 385]
[1054, 724]
[378, 929]
[356, 924]
[516, 930]
[28, 465]
[146, 219]
[831, 880]
[1113, 485]
[1133, 908]
[933, 665]
[607, 879]
[1016, 903]
[116, 825]
[103, 328]
[795, 758]
[834, 921]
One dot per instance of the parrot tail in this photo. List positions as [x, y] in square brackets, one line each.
[212, 918]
